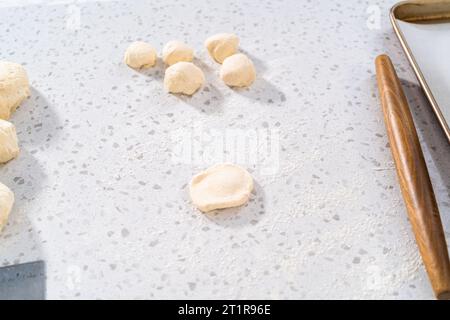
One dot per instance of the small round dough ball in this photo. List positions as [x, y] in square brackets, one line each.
[6, 204]
[222, 45]
[176, 51]
[183, 77]
[221, 186]
[140, 55]
[238, 71]
[14, 87]
[9, 148]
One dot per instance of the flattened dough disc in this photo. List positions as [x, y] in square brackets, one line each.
[221, 186]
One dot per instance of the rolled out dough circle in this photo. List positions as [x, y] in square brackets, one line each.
[221, 186]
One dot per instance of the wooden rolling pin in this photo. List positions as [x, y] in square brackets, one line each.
[414, 180]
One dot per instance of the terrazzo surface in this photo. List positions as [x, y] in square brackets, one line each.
[101, 183]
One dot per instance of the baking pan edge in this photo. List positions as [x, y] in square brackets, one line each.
[412, 60]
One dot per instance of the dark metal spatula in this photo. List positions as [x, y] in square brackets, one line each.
[23, 281]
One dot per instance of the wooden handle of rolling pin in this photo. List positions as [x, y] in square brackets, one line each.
[414, 180]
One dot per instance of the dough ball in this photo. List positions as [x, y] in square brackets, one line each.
[222, 45]
[140, 55]
[6, 204]
[238, 71]
[14, 87]
[221, 186]
[183, 77]
[9, 148]
[176, 51]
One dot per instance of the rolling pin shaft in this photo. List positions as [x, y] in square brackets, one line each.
[413, 176]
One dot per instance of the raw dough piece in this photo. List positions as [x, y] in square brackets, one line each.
[221, 186]
[222, 45]
[176, 51]
[6, 203]
[238, 71]
[14, 87]
[140, 55]
[183, 77]
[9, 148]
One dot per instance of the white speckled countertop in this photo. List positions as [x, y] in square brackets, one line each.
[102, 199]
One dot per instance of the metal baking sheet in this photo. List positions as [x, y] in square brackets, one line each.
[423, 28]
